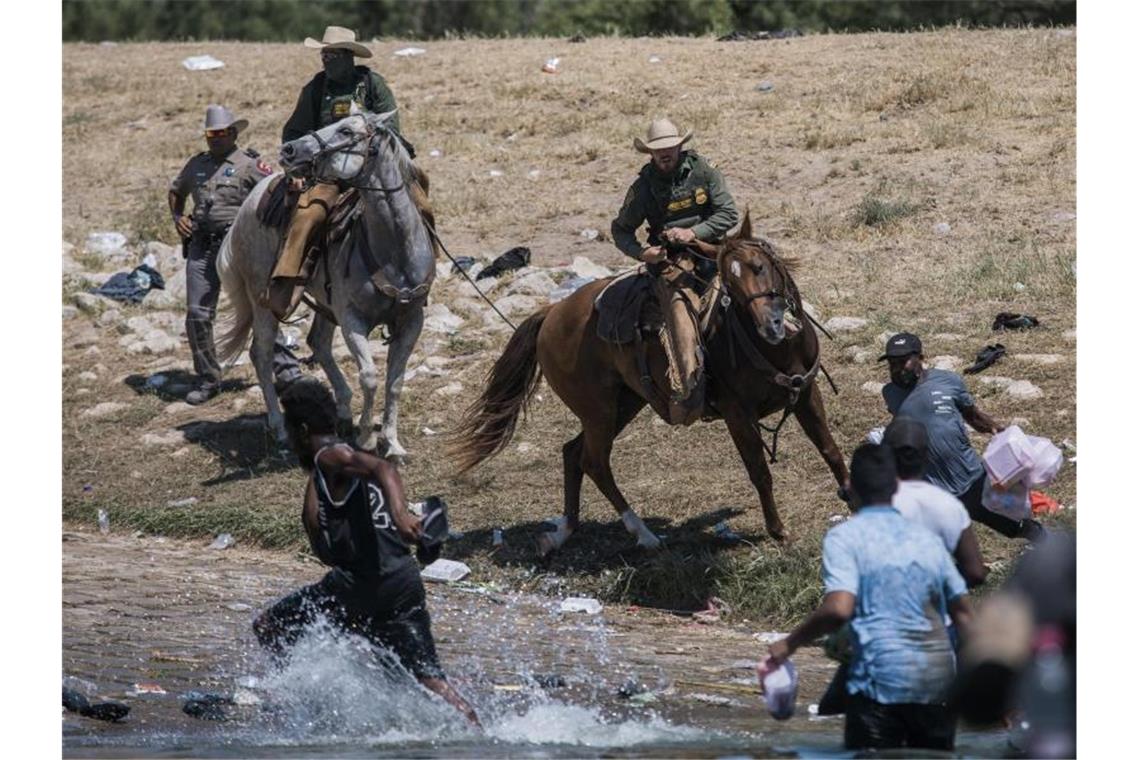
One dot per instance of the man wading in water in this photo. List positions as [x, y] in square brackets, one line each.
[357, 520]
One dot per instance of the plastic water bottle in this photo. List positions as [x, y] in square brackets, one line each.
[104, 522]
[779, 684]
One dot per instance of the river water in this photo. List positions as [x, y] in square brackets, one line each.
[148, 620]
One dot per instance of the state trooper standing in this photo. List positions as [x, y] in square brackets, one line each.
[218, 179]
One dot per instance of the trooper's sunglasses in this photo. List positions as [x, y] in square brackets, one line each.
[216, 132]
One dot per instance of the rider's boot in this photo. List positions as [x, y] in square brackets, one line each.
[287, 282]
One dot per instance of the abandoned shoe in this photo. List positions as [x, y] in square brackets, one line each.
[1009, 321]
[985, 358]
[203, 393]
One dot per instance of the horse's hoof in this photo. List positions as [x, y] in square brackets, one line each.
[546, 544]
[778, 534]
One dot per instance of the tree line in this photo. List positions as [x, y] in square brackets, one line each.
[291, 20]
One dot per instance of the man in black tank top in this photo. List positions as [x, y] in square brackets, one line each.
[358, 523]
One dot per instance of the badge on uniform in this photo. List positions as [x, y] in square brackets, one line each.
[701, 196]
[264, 168]
[341, 108]
[229, 171]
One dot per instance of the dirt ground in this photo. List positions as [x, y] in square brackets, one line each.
[925, 181]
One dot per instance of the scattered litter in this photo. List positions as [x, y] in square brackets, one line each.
[223, 541]
[516, 258]
[567, 287]
[183, 502]
[714, 699]
[104, 522]
[655, 59]
[1008, 321]
[131, 287]
[206, 706]
[765, 86]
[246, 697]
[533, 174]
[435, 152]
[942, 228]
[875, 436]
[497, 537]
[428, 431]
[986, 358]
[1064, 216]
[589, 234]
[201, 63]
[1066, 444]
[508, 687]
[581, 604]
[551, 65]
[813, 709]
[88, 488]
[408, 52]
[1019, 287]
[769, 637]
[238, 607]
[108, 711]
[148, 687]
[714, 608]
[1041, 504]
[445, 571]
[644, 698]
[836, 519]
[105, 242]
[495, 173]
[725, 533]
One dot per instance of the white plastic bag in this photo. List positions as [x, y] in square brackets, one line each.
[1009, 456]
[1047, 461]
[1012, 501]
[780, 685]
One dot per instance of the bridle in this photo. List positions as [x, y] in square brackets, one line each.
[368, 153]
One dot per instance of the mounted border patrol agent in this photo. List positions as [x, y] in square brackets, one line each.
[218, 179]
[327, 98]
[681, 198]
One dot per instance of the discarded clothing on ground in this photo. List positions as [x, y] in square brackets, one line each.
[516, 258]
[109, 711]
[1009, 321]
[131, 287]
[985, 358]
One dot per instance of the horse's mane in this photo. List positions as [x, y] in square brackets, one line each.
[403, 159]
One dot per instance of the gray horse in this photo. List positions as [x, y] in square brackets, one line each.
[390, 233]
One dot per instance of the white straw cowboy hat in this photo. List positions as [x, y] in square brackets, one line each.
[220, 117]
[661, 134]
[339, 38]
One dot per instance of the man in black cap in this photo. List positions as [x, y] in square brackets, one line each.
[939, 400]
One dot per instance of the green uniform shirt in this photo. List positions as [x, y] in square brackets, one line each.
[323, 102]
[694, 196]
[219, 186]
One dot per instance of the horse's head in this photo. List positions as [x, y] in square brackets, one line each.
[757, 278]
[338, 151]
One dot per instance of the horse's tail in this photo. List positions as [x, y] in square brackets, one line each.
[488, 424]
[236, 323]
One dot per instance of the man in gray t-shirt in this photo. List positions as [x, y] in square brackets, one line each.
[939, 400]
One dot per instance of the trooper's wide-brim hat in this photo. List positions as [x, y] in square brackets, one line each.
[339, 38]
[220, 117]
[662, 133]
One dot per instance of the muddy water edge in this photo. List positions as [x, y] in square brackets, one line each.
[147, 620]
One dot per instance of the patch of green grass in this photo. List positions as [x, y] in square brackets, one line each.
[875, 211]
[463, 345]
[997, 272]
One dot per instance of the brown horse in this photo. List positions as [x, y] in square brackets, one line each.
[756, 366]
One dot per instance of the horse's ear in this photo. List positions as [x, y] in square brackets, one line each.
[746, 226]
[382, 118]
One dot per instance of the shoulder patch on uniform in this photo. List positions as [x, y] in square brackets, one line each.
[630, 194]
[264, 168]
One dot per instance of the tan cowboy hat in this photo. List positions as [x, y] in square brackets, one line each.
[339, 38]
[661, 134]
[220, 117]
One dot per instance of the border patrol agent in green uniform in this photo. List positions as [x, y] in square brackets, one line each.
[219, 179]
[326, 99]
[681, 198]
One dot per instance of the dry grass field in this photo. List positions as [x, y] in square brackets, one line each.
[862, 146]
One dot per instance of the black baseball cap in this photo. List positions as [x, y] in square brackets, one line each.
[906, 433]
[902, 344]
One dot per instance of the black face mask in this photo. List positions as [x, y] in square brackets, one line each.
[907, 378]
[339, 68]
